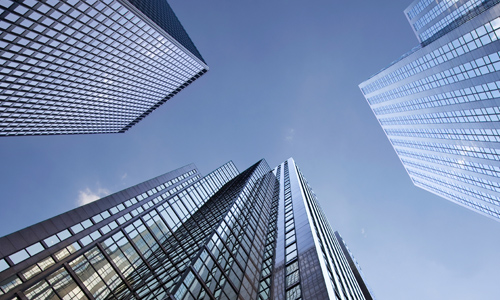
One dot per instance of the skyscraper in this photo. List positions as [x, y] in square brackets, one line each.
[258, 234]
[95, 66]
[439, 104]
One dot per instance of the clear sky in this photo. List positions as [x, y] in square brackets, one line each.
[282, 82]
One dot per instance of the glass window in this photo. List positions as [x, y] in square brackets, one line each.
[19, 256]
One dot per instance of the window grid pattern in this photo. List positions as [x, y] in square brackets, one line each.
[229, 264]
[468, 134]
[479, 37]
[178, 204]
[75, 229]
[462, 150]
[84, 67]
[292, 275]
[449, 18]
[418, 8]
[478, 67]
[463, 195]
[480, 92]
[458, 176]
[171, 248]
[267, 267]
[456, 163]
[341, 276]
[436, 11]
[486, 114]
[59, 285]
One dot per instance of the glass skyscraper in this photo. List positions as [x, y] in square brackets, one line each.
[89, 66]
[256, 234]
[439, 104]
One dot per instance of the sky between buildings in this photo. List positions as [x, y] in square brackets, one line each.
[282, 82]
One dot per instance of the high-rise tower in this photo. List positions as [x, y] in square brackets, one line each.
[89, 66]
[258, 234]
[439, 104]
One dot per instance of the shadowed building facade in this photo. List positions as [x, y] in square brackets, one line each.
[94, 66]
[258, 234]
[439, 104]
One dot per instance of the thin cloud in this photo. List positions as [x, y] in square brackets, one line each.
[86, 196]
[290, 135]
[124, 176]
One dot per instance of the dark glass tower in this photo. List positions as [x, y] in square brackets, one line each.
[95, 66]
[439, 104]
[258, 234]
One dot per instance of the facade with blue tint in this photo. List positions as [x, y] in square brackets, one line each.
[432, 19]
[309, 262]
[89, 66]
[439, 105]
[258, 234]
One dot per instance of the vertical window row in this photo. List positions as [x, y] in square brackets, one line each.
[270, 246]
[292, 278]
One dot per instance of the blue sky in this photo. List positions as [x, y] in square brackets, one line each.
[282, 82]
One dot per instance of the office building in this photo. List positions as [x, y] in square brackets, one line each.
[94, 66]
[258, 234]
[439, 104]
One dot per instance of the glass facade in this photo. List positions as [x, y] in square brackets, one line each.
[310, 263]
[432, 19]
[440, 105]
[89, 66]
[258, 234]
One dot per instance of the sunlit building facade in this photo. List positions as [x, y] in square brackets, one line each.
[439, 104]
[258, 234]
[89, 66]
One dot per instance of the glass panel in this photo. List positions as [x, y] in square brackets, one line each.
[10, 283]
[65, 286]
[51, 241]
[40, 290]
[3, 265]
[64, 234]
[34, 249]
[19, 256]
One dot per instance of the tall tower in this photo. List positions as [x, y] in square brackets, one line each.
[258, 234]
[89, 66]
[439, 104]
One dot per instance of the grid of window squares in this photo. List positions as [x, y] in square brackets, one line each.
[478, 67]
[266, 274]
[418, 8]
[190, 239]
[486, 91]
[339, 272]
[449, 190]
[84, 66]
[292, 279]
[457, 163]
[464, 134]
[477, 38]
[228, 266]
[169, 203]
[454, 149]
[437, 10]
[459, 176]
[485, 114]
[449, 18]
